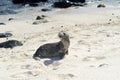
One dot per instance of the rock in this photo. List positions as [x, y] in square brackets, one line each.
[69, 3]
[45, 9]
[101, 6]
[4, 35]
[33, 4]
[43, 16]
[39, 18]
[61, 5]
[27, 1]
[101, 65]
[10, 19]
[2, 23]
[10, 44]
[81, 1]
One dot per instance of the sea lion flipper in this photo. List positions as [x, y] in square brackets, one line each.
[62, 55]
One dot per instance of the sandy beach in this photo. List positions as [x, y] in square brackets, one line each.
[94, 44]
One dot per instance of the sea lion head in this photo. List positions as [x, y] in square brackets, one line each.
[63, 35]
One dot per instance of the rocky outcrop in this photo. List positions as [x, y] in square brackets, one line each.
[68, 3]
[27, 1]
[46, 9]
[61, 4]
[81, 1]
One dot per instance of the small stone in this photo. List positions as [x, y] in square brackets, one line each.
[10, 19]
[43, 16]
[2, 23]
[110, 19]
[113, 14]
[35, 23]
[45, 9]
[71, 75]
[39, 18]
[61, 26]
[101, 6]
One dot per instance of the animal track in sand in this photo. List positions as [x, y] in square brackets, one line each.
[31, 67]
[24, 75]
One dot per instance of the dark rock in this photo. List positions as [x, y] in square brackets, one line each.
[35, 23]
[81, 1]
[45, 9]
[101, 6]
[39, 18]
[27, 1]
[61, 5]
[2, 23]
[110, 19]
[10, 19]
[4, 35]
[39, 22]
[101, 65]
[43, 16]
[10, 44]
[69, 3]
[33, 4]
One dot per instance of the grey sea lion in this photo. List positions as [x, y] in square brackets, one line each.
[10, 44]
[57, 49]
[4, 35]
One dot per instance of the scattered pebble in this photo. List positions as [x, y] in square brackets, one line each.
[101, 65]
[10, 19]
[2, 24]
[45, 9]
[101, 6]
[39, 18]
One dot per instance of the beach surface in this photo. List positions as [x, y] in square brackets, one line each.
[94, 52]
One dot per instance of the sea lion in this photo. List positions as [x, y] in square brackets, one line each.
[57, 49]
[4, 35]
[10, 44]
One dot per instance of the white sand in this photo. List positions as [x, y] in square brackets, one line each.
[94, 52]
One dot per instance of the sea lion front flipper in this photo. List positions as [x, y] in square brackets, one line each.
[66, 52]
[62, 54]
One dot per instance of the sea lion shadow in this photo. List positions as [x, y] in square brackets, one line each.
[51, 61]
